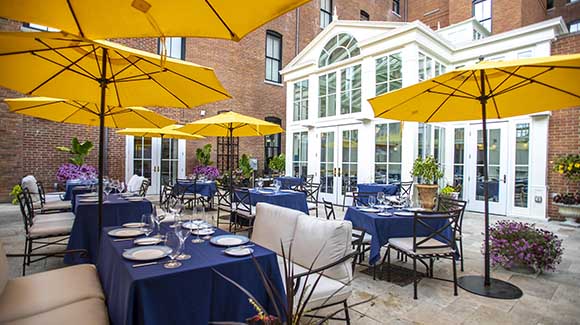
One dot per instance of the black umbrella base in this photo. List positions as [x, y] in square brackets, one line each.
[497, 289]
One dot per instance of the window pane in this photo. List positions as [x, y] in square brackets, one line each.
[381, 173]
[521, 187]
[394, 142]
[394, 173]
[522, 143]
[381, 138]
[147, 148]
[459, 151]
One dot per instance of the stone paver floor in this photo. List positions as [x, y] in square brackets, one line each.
[549, 298]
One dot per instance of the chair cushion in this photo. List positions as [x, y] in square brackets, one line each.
[51, 228]
[29, 182]
[406, 245]
[330, 240]
[57, 205]
[326, 288]
[91, 311]
[4, 269]
[41, 292]
[273, 226]
[131, 182]
[48, 217]
[312, 206]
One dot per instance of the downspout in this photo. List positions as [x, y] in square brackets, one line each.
[297, 45]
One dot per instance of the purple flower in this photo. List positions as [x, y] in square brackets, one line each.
[70, 171]
[208, 171]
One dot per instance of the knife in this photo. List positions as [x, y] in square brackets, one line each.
[145, 264]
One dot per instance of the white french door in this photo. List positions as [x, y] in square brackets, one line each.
[339, 161]
[497, 135]
[160, 160]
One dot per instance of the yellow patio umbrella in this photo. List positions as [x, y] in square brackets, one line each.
[231, 124]
[487, 90]
[168, 132]
[66, 66]
[149, 18]
[76, 112]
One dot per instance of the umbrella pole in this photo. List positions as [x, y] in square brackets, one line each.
[161, 171]
[103, 84]
[487, 286]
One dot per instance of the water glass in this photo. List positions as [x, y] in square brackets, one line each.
[199, 212]
[157, 218]
[173, 242]
[260, 183]
[107, 189]
[277, 185]
[182, 233]
[147, 220]
[381, 198]
[372, 200]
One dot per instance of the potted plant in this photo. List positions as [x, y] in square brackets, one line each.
[568, 203]
[517, 244]
[76, 167]
[428, 173]
[278, 164]
[450, 191]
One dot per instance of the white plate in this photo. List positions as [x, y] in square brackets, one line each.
[191, 226]
[89, 200]
[133, 224]
[203, 232]
[135, 199]
[238, 252]
[404, 214]
[147, 253]
[384, 214]
[417, 209]
[144, 241]
[229, 240]
[372, 210]
[125, 232]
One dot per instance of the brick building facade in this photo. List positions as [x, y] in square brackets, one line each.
[28, 144]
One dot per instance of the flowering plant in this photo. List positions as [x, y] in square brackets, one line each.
[209, 172]
[514, 242]
[71, 171]
[569, 166]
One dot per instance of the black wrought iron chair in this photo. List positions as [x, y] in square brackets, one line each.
[309, 180]
[361, 198]
[144, 187]
[405, 189]
[361, 240]
[448, 204]
[53, 205]
[433, 246]
[42, 232]
[243, 212]
[224, 205]
[312, 193]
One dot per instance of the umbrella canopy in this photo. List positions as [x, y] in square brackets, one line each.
[65, 66]
[75, 112]
[150, 18]
[487, 90]
[231, 124]
[167, 132]
[512, 88]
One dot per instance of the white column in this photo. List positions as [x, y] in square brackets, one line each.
[410, 55]
[538, 144]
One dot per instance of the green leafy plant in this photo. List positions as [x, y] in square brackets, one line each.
[427, 170]
[17, 189]
[203, 155]
[79, 151]
[245, 166]
[278, 163]
[568, 166]
[447, 190]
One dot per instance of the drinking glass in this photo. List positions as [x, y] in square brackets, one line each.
[146, 223]
[372, 201]
[199, 212]
[277, 185]
[381, 198]
[182, 233]
[157, 218]
[176, 210]
[107, 188]
[260, 183]
[209, 221]
[172, 241]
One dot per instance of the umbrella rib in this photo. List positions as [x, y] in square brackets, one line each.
[33, 106]
[114, 82]
[520, 83]
[492, 91]
[452, 94]
[64, 57]
[232, 34]
[541, 83]
[447, 94]
[153, 79]
[492, 96]
[74, 15]
[188, 78]
[44, 50]
[88, 76]
[453, 89]
[127, 66]
[553, 66]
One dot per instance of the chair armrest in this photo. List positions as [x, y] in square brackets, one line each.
[325, 267]
[83, 253]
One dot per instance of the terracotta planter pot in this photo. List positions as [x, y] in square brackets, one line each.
[427, 194]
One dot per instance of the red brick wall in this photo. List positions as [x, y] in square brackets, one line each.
[459, 10]
[568, 11]
[433, 13]
[564, 130]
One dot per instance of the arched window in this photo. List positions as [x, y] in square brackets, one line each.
[341, 47]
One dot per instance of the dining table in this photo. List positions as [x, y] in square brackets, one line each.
[83, 189]
[383, 226]
[288, 182]
[193, 293]
[285, 198]
[73, 183]
[204, 188]
[117, 210]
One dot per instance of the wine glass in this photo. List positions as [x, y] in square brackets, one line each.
[260, 183]
[277, 185]
[199, 211]
[173, 242]
[209, 221]
[157, 218]
[146, 223]
[107, 189]
[176, 210]
[381, 198]
[372, 200]
[182, 233]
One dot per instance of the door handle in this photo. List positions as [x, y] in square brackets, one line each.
[334, 172]
[339, 172]
[504, 179]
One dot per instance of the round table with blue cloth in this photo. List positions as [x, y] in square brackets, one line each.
[205, 188]
[288, 182]
[388, 189]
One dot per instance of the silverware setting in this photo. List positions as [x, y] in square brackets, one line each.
[145, 264]
[239, 247]
[124, 239]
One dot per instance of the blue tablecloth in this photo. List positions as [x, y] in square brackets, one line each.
[383, 228]
[388, 189]
[289, 181]
[84, 232]
[76, 191]
[70, 184]
[190, 294]
[203, 188]
[285, 198]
